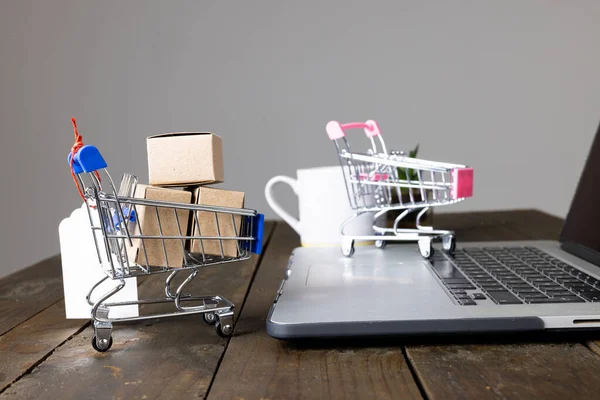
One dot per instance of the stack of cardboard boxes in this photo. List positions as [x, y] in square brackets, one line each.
[179, 167]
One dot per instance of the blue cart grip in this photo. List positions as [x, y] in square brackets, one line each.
[258, 232]
[87, 159]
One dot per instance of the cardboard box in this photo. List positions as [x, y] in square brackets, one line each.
[185, 159]
[147, 219]
[208, 225]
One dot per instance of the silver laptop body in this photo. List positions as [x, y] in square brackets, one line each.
[483, 287]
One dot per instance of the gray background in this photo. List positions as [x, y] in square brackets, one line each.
[509, 87]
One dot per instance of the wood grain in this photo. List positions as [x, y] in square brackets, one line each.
[507, 371]
[169, 358]
[29, 291]
[258, 366]
[29, 342]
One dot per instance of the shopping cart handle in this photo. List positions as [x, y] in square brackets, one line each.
[258, 232]
[87, 159]
[335, 130]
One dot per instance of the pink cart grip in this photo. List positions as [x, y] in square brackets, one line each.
[335, 130]
[372, 129]
[463, 183]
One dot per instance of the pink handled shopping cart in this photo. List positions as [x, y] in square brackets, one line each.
[373, 177]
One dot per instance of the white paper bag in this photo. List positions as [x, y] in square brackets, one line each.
[81, 270]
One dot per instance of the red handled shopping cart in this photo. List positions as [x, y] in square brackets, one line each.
[373, 177]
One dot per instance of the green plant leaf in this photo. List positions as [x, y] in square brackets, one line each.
[411, 173]
[413, 153]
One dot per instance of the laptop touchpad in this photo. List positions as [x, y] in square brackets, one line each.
[358, 274]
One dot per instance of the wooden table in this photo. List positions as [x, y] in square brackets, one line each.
[43, 355]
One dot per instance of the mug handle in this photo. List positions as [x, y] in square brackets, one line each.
[293, 222]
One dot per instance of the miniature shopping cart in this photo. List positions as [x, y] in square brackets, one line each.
[117, 227]
[371, 178]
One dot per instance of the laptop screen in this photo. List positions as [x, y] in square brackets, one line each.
[581, 231]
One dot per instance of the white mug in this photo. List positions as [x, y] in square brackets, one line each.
[323, 207]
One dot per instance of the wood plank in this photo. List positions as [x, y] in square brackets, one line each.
[172, 358]
[505, 370]
[258, 366]
[501, 225]
[29, 342]
[29, 291]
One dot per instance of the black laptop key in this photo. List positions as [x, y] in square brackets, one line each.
[541, 264]
[570, 299]
[478, 296]
[467, 302]
[446, 270]
[542, 285]
[464, 286]
[517, 286]
[551, 287]
[533, 275]
[507, 274]
[568, 281]
[518, 266]
[524, 271]
[577, 286]
[479, 275]
[559, 275]
[557, 292]
[538, 295]
[473, 269]
[592, 281]
[492, 286]
[465, 261]
[581, 275]
[525, 292]
[503, 297]
[455, 280]
[483, 279]
[591, 296]
[586, 287]
[544, 301]
[563, 265]
[540, 279]
[513, 281]
[529, 272]
[491, 264]
[462, 296]
[547, 267]
[570, 269]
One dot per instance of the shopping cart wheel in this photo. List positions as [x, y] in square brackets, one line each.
[449, 244]
[380, 244]
[224, 330]
[348, 247]
[210, 318]
[224, 325]
[425, 248]
[101, 345]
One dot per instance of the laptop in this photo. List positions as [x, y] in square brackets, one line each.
[481, 287]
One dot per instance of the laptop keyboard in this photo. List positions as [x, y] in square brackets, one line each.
[512, 275]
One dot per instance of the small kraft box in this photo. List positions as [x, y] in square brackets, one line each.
[147, 224]
[185, 159]
[227, 226]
